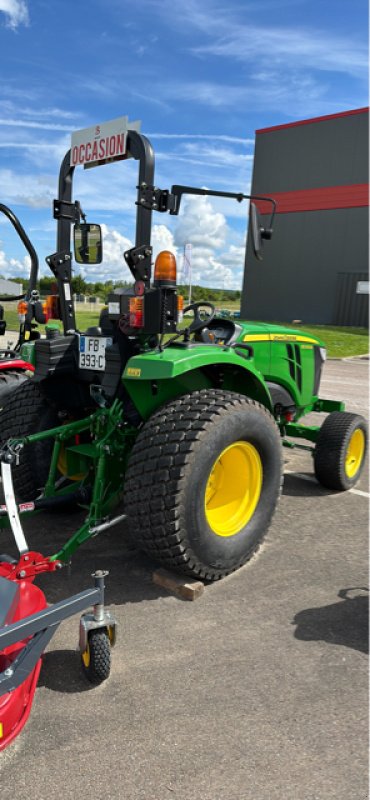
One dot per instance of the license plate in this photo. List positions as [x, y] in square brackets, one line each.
[92, 352]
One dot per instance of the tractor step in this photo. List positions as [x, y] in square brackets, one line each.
[103, 526]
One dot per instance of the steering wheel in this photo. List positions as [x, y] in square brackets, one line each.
[199, 322]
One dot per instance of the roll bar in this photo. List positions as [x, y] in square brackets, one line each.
[149, 199]
[29, 247]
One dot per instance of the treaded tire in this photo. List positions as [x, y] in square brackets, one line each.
[98, 667]
[9, 381]
[167, 475]
[331, 449]
[27, 411]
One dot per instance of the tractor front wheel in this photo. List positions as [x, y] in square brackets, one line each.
[340, 450]
[203, 482]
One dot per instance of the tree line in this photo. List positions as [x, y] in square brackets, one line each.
[47, 285]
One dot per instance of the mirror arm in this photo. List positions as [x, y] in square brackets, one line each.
[63, 209]
[60, 265]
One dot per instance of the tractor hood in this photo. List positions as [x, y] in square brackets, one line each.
[268, 332]
[177, 359]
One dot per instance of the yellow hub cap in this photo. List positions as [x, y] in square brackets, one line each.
[355, 453]
[86, 656]
[233, 489]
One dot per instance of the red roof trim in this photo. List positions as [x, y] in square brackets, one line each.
[314, 119]
[321, 199]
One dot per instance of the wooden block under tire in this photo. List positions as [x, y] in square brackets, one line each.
[187, 588]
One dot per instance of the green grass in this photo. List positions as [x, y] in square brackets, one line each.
[340, 342]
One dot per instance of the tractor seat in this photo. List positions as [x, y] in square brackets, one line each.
[218, 331]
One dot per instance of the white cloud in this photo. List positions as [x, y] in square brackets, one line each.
[207, 156]
[16, 12]
[217, 156]
[297, 47]
[212, 136]
[163, 239]
[13, 267]
[36, 191]
[25, 123]
[114, 266]
[215, 261]
[228, 34]
[114, 246]
[294, 92]
[200, 225]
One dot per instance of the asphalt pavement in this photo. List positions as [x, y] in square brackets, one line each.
[255, 691]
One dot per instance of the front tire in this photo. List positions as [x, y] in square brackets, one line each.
[340, 450]
[203, 482]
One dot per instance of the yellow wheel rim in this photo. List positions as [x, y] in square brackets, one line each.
[86, 656]
[62, 466]
[233, 489]
[355, 453]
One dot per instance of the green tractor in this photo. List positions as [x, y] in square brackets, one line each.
[185, 426]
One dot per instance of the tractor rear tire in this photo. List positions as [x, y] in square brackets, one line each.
[9, 381]
[27, 411]
[203, 481]
[340, 450]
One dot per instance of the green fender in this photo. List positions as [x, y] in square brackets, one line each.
[155, 378]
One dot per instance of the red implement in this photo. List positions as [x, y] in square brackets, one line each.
[15, 706]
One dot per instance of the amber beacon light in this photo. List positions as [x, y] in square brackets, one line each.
[165, 268]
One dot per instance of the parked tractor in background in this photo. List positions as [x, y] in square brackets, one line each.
[185, 426]
[14, 369]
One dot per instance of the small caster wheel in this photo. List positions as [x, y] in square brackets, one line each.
[96, 659]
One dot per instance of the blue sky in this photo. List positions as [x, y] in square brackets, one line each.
[201, 77]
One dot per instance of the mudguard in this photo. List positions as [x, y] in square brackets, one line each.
[155, 378]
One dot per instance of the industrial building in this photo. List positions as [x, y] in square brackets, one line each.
[10, 288]
[315, 269]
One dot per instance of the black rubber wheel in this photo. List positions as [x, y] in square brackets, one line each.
[96, 660]
[9, 381]
[27, 411]
[203, 481]
[340, 451]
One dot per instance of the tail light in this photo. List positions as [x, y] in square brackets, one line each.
[180, 307]
[22, 309]
[165, 268]
[136, 312]
[51, 307]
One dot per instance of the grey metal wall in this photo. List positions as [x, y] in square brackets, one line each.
[299, 277]
[351, 306]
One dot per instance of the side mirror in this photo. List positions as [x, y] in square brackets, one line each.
[258, 232]
[88, 246]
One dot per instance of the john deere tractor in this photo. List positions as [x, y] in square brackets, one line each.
[185, 425]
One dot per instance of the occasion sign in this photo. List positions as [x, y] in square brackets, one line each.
[101, 144]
